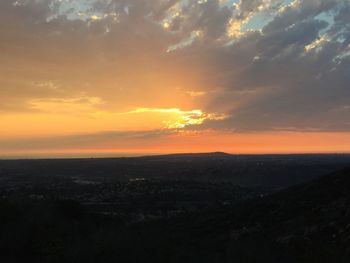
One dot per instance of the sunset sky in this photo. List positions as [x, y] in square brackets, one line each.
[134, 77]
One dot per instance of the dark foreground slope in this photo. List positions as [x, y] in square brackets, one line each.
[305, 223]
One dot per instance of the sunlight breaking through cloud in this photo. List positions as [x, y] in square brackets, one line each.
[180, 118]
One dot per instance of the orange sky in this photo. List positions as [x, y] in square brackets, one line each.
[150, 77]
[182, 142]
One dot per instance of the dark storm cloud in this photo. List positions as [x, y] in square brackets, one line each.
[301, 11]
[293, 74]
[288, 87]
[211, 17]
[248, 7]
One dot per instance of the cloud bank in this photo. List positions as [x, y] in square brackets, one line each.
[264, 65]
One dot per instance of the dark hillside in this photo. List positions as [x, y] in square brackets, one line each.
[309, 222]
[306, 223]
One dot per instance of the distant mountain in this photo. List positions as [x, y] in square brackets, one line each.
[191, 155]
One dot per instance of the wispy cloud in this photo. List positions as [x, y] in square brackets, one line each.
[92, 65]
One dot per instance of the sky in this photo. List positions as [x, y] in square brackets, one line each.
[135, 77]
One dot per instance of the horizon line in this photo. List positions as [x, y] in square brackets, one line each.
[142, 155]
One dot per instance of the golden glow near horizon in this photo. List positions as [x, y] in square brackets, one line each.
[187, 141]
[82, 115]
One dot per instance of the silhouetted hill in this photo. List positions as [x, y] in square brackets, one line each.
[191, 155]
[306, 223]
